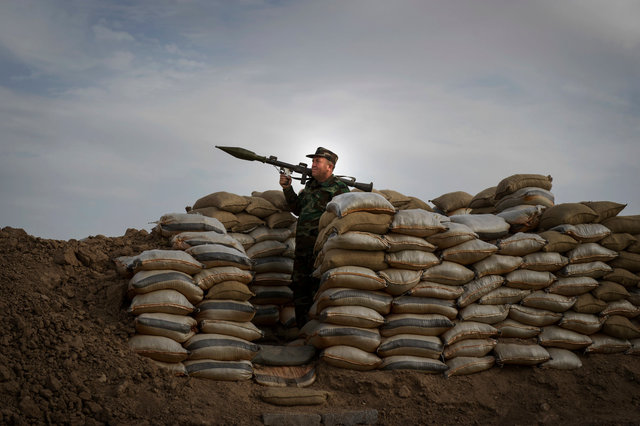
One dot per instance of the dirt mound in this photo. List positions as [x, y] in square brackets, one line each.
[65, 359]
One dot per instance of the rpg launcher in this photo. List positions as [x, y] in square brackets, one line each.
[286, 168]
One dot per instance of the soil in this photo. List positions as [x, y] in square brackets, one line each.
[65, 359]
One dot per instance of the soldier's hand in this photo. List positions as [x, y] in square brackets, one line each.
[285, 181]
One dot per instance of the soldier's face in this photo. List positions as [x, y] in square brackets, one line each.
[321, 169]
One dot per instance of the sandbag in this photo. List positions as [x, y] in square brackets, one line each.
[496, 264]
[627, 260]
[561, 359]
[533, 316]
[376, 300]
[399, 281]
[349, 357]
[572, 286]
[617, 242]
[603, 344]
[177, 327]
[520, 244]
[503, 295]
[620, 327]
[335, 258]
[487, 226]
[416, 222]
[228, 219]
[520, 354]
[416, 260]
[628, 224]
[420, 324]
[587, 304]
[558, 242]
[356, 240]
[220, 370]
[469, 348]
[267, 248]
[184, 240]
[548, 301]
[590, 269]
[484, 198]
[176, 260]
[353, 202]
[272, 278]
[354, 316]
[396, 198]
[436, 290]
[460, 366]
[161, 301]
[264, 233]
[245, 240]
[586, 232]
[469, 252]
[478, 288]
[213, 255]
[558, 337]
[544, 261]
[244, 330]
[511, 328]
[623, 277]
[223, 200]
[451, 201]
[400, 242]
[403, 362]
[526, 196]
[411, 345]
[230, 310]
[260, 207]
[468, 330]
[206, 278]
[424, 305]
[591, 252]
[175, 223]
[280, 220]
[522, 218]
[488, 314]
[604, 209]
[356, 277]
[246, 222]
[455, 233]
[450, 273]
[289, 355]
[280, 264]
[581, 323]
[271, 294]
[220, 347]
[158, 348]
[567, 213]
[326, 335]
[266, 315]
[148, 281]
[511, 184]
[274, 196]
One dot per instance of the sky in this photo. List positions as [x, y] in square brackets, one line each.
[110, 110]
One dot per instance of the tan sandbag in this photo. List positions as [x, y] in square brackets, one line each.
[590, 269]
[299, 376]
[590, 252]
[610, 291]
[356, 277]
[469, 252]
[572, 286]
[280, 264]
[511, 184]
[214, 255]
[176, 260]
[558, 337]
[398, 242]
[558, 242]
[544, 261]
[158, 348]
[461, 366]
[280, 220]
[177, 327]
[354, 316]
[246, 222]
[487, 226]
[220, 370]
[161, 301]
[628, 224]
[350, 357]
[403, 362]
[617, 242]
[399, 281]
[548, 301]
[620, 327]
[479, 287]
[484, 198]
[452, 201]
[243, 330]
[621, 307]
[175, 223]
[228, 219]
[359, 221]
[436, 290]
[520, 354]
[394, 197]
[533, 316]
[587, 304]
[604, 209]
[604, 344]
[627, 260]
[326, 335]
[376, 300]
[356, 240]
[416, 260]
[272, 278]
[184, 240]
[511, 328]
[450, 273]
[245, 240]
[581, 323]
[271, 294]
[526, 279]
[470, 348]
[420, 324]
[411, 345]
[230, 310]
[622, 276]
[520, 244]
[222, 200]
[264, 233]
[521, 218]
[220, 347]
[424, 305]
[503, 295]
[266, 315]
[273, 196]
[468, 330]
[587, 232]
[566, 213]
[229, 290]
[416, 222]
[266, 248]
[207, 278]
[455, 233]
[496, 264]
[260, 207]
[531, 196]
[335, 258]
[488, 314]
[353, 202]
[147, 281]
[414, 203]
[561, 359]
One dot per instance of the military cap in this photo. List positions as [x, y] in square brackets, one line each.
[325, 153]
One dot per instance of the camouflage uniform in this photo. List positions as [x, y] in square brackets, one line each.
[308, 205]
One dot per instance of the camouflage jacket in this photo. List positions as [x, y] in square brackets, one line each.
[311, 202]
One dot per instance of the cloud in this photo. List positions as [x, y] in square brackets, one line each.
[103, 33]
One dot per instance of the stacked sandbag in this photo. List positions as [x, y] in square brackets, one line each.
[422, 308]
[350, 304]
[483, 202]
[163, 296]
[403, 202]
[453, 203]
[521, 199]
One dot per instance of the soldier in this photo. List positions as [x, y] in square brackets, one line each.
[309, 205]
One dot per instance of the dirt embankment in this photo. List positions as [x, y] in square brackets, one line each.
[64, 359]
